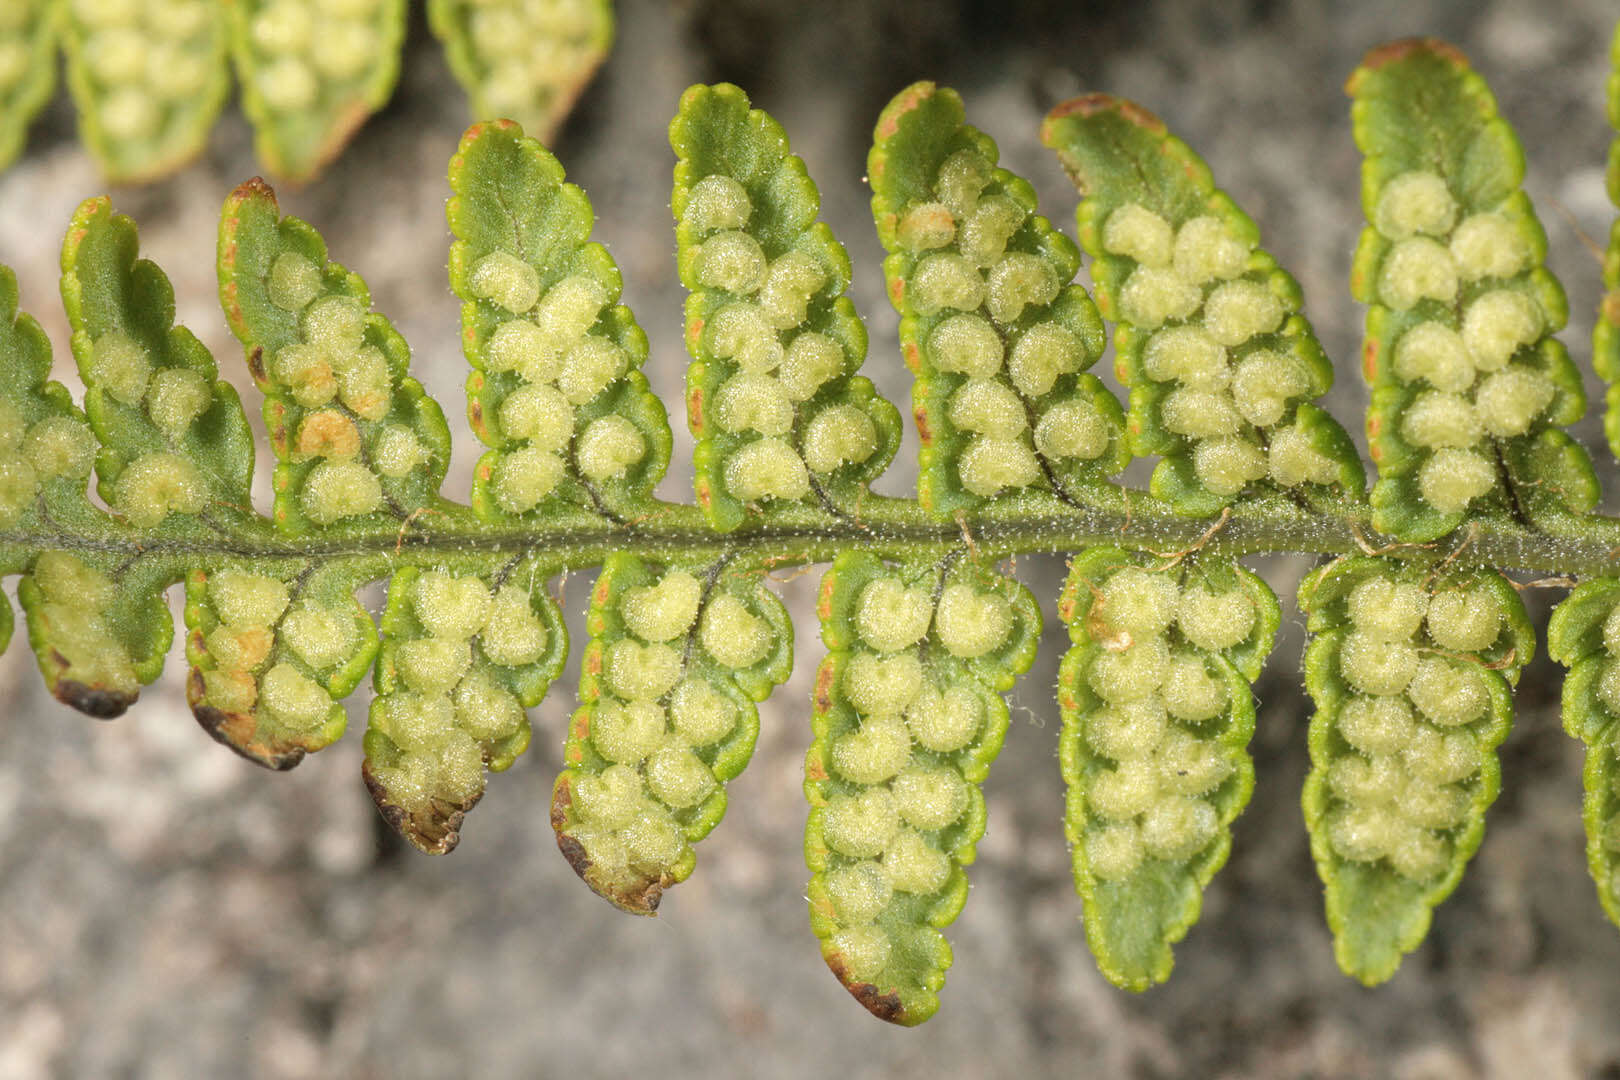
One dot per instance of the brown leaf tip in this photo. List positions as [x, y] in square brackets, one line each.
[1391, 52]
[639, 898]
[96, 701]
[255, 187]
[884, 1006]
[484, 127]
[1088, 105]
[239, 731]
[433, 829]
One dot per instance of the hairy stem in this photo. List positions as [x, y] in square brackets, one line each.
[889, 527]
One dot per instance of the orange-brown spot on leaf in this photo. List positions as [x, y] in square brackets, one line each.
[579, 725]
[925, 430]
[912, 355]
[254, 187]
[694, 410]
[196, 687]
[824, 595]
[328, 433]
[229, 300]
[909, 100]
[252, 645]
[1088, 105]
[1609, 309]
[372, 405]
[822, 694]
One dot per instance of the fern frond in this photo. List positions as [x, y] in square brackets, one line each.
[1606, 331]
[312, 72]
[464, 655]
[1414, 646]
[28, 35]
[96, 644]
[772, 396]
[1209, 334]
[1411, 667]
[1470, 388]
[274, 650]
[990, 324]
[1584, 636]
[357, 442]
[556, 391]
[525, 60]
[907, 720]
[1157, 716]
[148, 78]
[678, 656]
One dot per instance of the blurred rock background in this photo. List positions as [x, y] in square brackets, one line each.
[168, 910]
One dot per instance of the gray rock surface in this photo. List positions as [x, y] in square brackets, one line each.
[168, 910]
